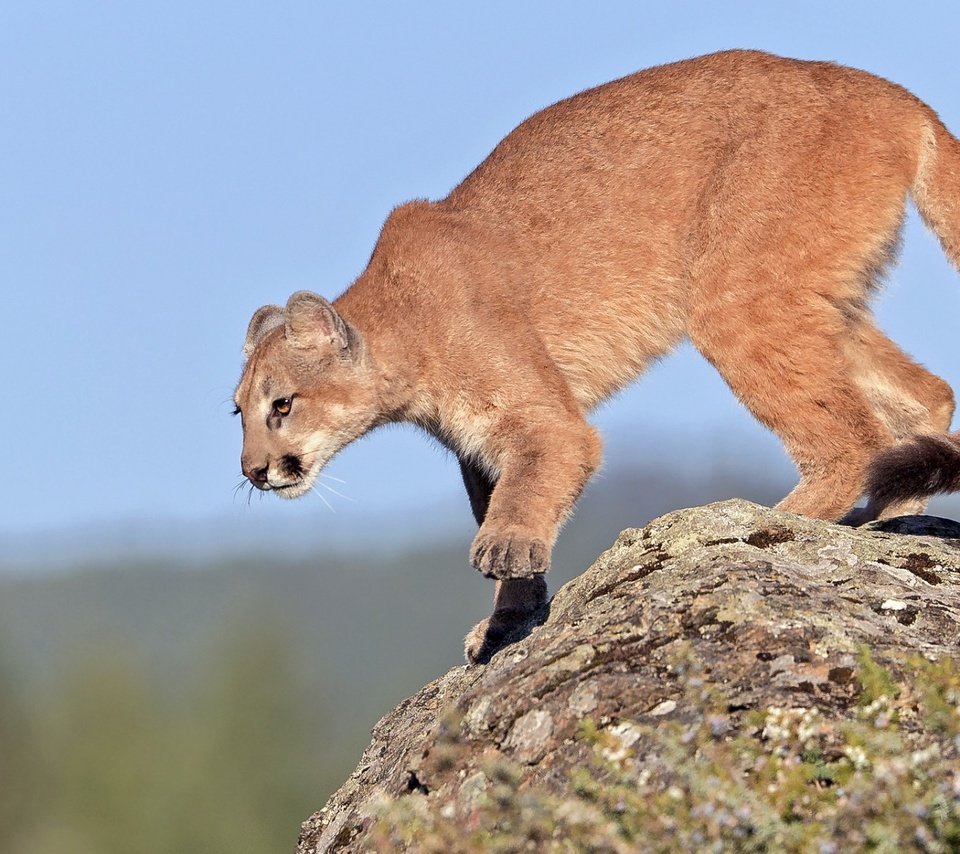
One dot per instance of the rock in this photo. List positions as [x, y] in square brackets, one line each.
[766, 610]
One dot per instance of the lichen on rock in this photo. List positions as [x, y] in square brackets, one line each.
[729, 643]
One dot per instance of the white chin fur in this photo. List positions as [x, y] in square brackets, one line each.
[291, 492]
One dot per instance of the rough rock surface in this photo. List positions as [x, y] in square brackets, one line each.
[776, 606]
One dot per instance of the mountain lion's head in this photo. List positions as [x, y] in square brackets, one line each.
[306, 391]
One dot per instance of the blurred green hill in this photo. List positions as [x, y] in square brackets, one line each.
[146, 707]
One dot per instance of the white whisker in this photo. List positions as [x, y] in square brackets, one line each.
[323, 498]
[331, 477]
[329, 488]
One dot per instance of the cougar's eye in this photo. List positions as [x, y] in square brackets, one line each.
[281, 406]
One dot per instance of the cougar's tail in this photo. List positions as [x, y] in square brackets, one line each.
[936, 186]
[927, 465]
[923, 466]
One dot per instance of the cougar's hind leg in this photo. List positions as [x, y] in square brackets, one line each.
[907, 397]
[784, 256]
[781, 352]
[515, 601]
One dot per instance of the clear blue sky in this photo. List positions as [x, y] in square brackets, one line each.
[165, 168]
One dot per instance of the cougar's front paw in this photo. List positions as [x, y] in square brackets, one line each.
[497, 631]
[485, 638]
[504, 555]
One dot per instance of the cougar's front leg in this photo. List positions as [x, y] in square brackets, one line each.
[516, 602]
[543, 465]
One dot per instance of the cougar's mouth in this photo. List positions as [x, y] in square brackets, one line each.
[297, 479]
[290, 490]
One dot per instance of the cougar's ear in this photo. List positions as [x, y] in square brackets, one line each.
[264, 319]
[311, 320]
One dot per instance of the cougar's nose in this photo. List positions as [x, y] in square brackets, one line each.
[257, 475]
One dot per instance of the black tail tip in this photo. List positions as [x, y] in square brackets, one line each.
[923, 466]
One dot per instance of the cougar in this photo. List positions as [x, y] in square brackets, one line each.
[746, 202]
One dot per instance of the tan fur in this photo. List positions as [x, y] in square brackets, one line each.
[742, 200]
